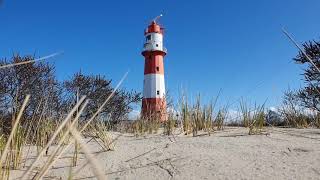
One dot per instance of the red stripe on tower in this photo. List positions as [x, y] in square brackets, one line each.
[153, 102]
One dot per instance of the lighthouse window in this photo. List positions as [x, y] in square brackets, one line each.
[157, 68]
[158, 92]
[148, 37]
[157, 45]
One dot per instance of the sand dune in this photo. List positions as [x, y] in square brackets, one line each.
[228, 154]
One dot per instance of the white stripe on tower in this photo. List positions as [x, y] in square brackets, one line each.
[154, 86]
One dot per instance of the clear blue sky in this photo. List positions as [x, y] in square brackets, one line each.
[234, 45]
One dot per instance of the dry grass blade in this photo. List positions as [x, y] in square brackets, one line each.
[56, 154]
[84, 127]
[95, 165]
[26, 62]
[4, 153]
[64, 122]
[297, 45]
[37, 125]
[85, 164]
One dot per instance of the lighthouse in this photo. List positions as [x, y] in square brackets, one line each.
[153, 102]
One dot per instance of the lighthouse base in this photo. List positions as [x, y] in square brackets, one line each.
[154, 109]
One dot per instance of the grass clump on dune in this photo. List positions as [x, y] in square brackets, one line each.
[253, 119]
[199, 117]
[258, 120]
[145, 125]
[293, 115]
[220, 118]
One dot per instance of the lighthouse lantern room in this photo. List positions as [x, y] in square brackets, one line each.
[153, 102]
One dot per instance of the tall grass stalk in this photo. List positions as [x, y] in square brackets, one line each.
[221, 117]
[253, 119]
[246, 113]
[10, 141]
[94, 163]
[27, 62]
[52, 159]
[60, 149]
[2, 143]
[316, 120]
[55, 134]
[258, 120]
[169, 125]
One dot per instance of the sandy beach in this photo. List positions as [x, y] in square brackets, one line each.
[280, 153]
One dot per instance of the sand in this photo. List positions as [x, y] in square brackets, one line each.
[229, 154]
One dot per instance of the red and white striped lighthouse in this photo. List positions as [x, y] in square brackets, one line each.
[153, 102]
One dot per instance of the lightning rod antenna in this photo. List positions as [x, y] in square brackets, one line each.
[156, 18]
